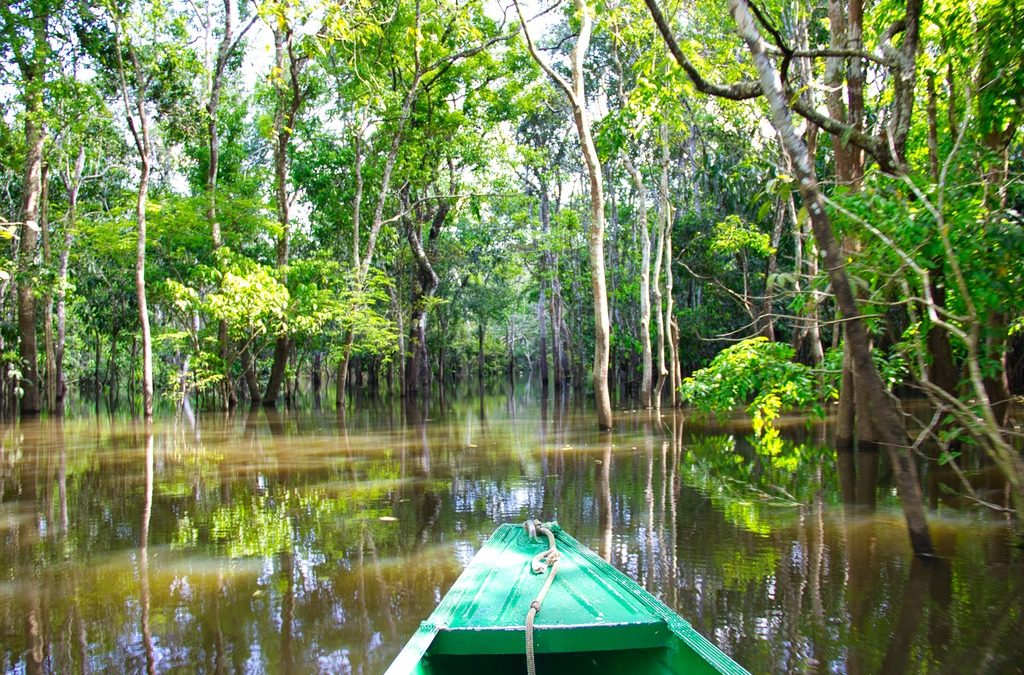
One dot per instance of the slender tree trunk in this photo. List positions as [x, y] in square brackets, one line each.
[396, 307]
[765, 315]
[647, 365]
[350, 337]
[72, 185]
[230, 399]
[480, 332]
[140, 277]
[882, 409]
[289, 100]
[672, 343]
[138, 123]
[48, 338]
[542, 331]
[806, 253]
[249, 373]
[659, 313]
[96, 381]
[578, 100]
[542, 338]
[997, 385]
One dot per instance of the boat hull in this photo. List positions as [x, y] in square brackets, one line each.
[594, 619]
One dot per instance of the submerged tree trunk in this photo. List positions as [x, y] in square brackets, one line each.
[48, 337]
[659, 313]
[289, 98]
[249, 373]
[224, 52]
[417, 375]
[28, 349]
[542, 331]
[578, 100]
[138, 123]
[671, 341]
[72, 184]
[881, 407]
[647, 365]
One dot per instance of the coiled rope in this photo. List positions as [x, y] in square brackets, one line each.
[541, 562]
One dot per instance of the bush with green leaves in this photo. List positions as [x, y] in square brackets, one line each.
[760, 375]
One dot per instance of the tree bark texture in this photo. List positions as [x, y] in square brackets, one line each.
[417, 375]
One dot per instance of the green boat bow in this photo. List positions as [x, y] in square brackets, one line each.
[594, 619]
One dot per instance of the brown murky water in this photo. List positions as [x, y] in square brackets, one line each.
[290, 543]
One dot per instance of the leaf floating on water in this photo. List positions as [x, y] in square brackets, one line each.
[387, 519]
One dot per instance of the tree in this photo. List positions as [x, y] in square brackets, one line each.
[290, 93]
[149, 38]
[26, 28]
[888, 424]
[576, 94]
[227, 48]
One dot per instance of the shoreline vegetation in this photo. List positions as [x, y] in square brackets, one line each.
[727, 205]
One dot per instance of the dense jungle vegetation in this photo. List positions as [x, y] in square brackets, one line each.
[764, 204]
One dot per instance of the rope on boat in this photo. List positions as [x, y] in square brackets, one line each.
[541, 562]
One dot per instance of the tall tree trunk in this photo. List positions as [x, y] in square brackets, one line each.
[882, 408]
[138, 123]
[140, 274]
[480, 333]
[766, 317]
[659, 313]
[545, 270]
[72, 183]
[357, 202]
[396, 307]
[647, 365]
[577, 98]
[227, 45]
[96, 381]
[289, 96]
[672, 343]
[417, 376]
[28, 349]
[48, 338]
[997, 384]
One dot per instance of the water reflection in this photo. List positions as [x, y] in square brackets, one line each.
[294, 543]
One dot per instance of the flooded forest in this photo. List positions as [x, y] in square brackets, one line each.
[301, 299]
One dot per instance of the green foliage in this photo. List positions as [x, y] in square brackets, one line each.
[732, 236]
[760, 375]
[249, 298]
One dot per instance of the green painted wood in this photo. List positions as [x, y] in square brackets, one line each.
[593, 615]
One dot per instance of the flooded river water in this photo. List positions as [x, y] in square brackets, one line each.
[292, 543]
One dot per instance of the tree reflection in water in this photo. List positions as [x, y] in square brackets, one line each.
[296, 542]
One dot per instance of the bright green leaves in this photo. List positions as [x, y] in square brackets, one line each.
[760, 375]
[249, 298]
[733, 235]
